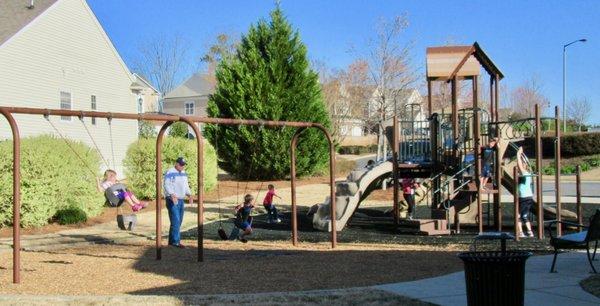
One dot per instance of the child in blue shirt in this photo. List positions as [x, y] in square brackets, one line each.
[525, 194]
[243, 219]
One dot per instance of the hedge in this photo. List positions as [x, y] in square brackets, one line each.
[571, 145]
[53, 179]
[140, 164]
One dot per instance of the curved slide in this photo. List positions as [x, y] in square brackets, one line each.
[349, 193]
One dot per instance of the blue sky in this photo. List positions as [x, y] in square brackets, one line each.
[524, 38]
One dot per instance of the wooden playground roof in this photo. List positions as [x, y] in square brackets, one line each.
[464, 61]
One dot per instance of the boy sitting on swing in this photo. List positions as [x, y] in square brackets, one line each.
[110, 179]
[243, 220]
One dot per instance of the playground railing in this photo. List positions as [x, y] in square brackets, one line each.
[415, 141]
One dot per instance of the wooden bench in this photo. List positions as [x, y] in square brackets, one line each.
[581, 240]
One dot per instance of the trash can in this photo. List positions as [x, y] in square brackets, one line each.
[495, 277]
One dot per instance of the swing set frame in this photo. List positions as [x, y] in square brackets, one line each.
[8, 112]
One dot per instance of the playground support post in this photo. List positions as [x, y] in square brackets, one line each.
[395, 160]
[557, 167]
[159, 140]
[200, 185]
[294, 142]
[538, 165]
[429, 101]
[516, 201]
[16, 196]
[476, 152]
[498, 161]
[578, 195]
[293, 185]
[454, 88]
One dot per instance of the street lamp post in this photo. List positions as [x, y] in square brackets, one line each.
[565, 81]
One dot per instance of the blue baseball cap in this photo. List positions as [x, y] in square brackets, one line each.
[181, 161]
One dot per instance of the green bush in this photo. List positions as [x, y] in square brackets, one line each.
[146, 129]
[269, 78]
[179, 129]
[585, 167]
[140, 164]
[71, 215]
[548, 170]
[52, 178]
[571, 145]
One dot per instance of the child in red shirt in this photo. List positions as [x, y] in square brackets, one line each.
[272, 216]
[408, 191]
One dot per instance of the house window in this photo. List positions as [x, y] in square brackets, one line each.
[65, 103]
[94, 107]
[189, 108]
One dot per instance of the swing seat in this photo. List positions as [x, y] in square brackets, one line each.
[126, 222]
[222, 234]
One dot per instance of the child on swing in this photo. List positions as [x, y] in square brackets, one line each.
[269, 206]
[110, 178]
[243, 220]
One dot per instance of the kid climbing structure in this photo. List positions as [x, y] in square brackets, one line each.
[445, 152]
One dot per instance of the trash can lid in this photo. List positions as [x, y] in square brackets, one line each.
[494, 236]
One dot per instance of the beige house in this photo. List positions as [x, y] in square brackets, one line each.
[55, 54]
[191, 97]
[147, 97]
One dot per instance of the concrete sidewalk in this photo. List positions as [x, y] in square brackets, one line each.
[541, 287]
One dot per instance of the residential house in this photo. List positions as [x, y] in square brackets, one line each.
[55, 54]
[191, 97]
[147, 97]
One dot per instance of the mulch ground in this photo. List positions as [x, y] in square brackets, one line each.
[227, 187]
[229, 267]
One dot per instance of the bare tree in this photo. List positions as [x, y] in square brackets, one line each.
[390, 72]
[162, 61]
[224, 46]
[578, 111]
[526, 96]
[344, 94]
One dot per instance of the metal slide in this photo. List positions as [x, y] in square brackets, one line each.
[349, 193]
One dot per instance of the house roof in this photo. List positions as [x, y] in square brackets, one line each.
[197, 85]
[16, 14]
[140, 82]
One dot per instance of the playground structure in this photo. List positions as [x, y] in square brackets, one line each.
[445, 152]
[191, 121]
[436, 150]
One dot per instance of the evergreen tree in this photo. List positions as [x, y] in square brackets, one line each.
[268, 78]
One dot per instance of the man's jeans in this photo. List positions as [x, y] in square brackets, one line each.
[175, 217]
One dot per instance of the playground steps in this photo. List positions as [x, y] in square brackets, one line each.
[489, 188]
[429, 227]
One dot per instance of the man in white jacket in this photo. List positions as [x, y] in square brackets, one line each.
[176, 188]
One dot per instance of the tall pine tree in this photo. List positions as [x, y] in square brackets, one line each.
[268, 78]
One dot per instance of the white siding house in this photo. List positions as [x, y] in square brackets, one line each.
[56, 55]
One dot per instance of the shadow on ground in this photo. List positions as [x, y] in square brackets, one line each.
[252, 270]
